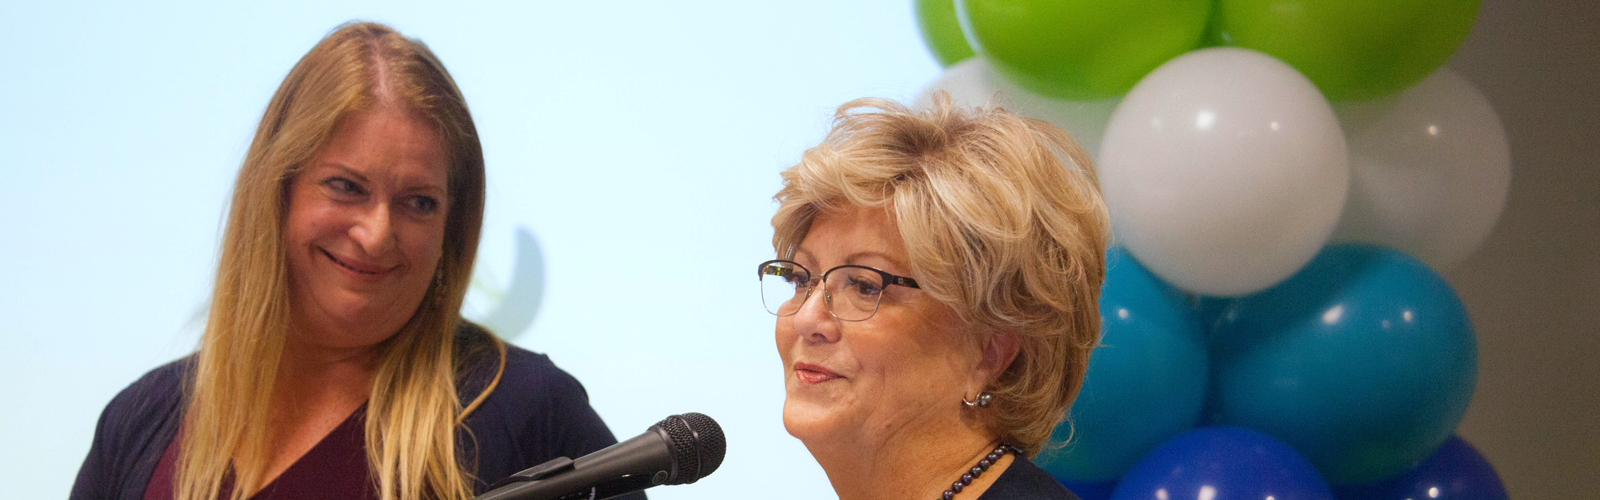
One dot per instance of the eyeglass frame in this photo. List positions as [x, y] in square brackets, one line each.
[827, 301]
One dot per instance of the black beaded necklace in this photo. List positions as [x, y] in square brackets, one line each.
[977, 470]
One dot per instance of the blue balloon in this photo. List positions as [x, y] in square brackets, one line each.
[1146, 382]
[1091, 491]
[1209, 310]
[1363, 361]
[1455, 472]
[1223, 463]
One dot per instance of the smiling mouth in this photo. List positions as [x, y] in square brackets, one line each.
[346, 265]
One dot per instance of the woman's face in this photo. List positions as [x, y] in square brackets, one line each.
[365, 229]
[904, 369]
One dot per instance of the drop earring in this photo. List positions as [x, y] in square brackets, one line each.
[438, 287]
[982, 401]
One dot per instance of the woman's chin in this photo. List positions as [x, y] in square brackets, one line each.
[808, 421]
[348, 326]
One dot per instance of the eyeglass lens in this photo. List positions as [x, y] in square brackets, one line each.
[852, 293]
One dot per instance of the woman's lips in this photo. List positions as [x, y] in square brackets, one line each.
[814, 374]
[356, 268]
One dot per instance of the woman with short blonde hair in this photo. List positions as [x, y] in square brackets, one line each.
[959, 256]
[334, 363]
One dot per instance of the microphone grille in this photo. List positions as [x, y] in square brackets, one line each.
[697, 446]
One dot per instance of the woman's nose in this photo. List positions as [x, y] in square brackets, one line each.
[374, 230]
[813, 321]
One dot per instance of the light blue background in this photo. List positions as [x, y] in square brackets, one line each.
[620, 134]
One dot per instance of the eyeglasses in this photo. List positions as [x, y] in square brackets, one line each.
[850, 292]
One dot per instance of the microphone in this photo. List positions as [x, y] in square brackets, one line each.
[680, 449]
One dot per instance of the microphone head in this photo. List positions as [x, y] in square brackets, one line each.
[697, 446]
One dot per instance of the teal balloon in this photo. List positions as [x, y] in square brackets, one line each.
[1364, 362]
[1209, 309]
[941, 31]
[1146, 382]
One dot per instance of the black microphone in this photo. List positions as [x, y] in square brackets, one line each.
[680, 449]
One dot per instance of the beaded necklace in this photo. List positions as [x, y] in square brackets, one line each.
[977, 470]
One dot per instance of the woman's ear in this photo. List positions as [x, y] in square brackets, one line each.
[998, 352]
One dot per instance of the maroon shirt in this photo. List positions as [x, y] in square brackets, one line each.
[336, 468]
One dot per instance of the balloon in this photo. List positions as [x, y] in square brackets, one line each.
[973, 83]
[970, 84]
[1208, 309]
[1091, 491]
[1363, 361]
[1429, 171]
[1455, 472]
[1223, 463]
[1146, 381]
[1224, 171]
[1082, 50]
[1352, 49]
[936, 19]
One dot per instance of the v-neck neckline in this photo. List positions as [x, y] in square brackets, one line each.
[351, 431]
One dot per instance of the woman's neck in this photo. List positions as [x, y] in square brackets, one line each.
[316, 389]
[901, 466]
[317, 379]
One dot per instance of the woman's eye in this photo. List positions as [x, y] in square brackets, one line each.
[343, 186]
[424, 204]
[864, 287]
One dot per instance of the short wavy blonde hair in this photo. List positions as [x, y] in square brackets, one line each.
[1002, 219]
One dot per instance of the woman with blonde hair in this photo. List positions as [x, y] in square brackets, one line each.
[334, 363]
[956, 258]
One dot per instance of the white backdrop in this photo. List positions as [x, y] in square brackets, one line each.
[621, 136]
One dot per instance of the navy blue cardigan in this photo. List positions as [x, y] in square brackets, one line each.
[535, 414]
[1025, 481]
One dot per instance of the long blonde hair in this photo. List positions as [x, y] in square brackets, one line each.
[413, 411]
[1002, 220]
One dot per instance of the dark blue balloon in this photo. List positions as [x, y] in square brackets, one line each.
[1455, 472]
[1363, 361]
[1092, 491]
[1146, 382]
[1223, 463]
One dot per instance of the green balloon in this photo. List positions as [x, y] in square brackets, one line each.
[1352, 49]
[1082, 50]
[936, 19]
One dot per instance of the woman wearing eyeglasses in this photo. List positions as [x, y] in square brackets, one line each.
[936, 296]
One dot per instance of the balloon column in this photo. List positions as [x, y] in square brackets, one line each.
[1286, 179]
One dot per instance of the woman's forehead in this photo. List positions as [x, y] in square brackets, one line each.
[855, 235]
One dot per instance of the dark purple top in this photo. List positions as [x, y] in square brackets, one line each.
[334, 469]
[536, 414]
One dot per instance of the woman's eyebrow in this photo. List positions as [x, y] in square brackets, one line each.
[801, 252]
[856, 257]
[346, 170]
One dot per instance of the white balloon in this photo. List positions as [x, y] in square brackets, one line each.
[1224, 170]
[974, 83]
[970, 83]
[1430, 169]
